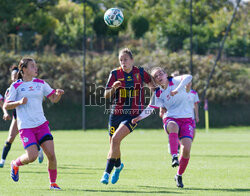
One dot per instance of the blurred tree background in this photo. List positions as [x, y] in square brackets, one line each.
[158, 33]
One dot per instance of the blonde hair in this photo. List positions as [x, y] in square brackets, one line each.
[157, 69]
[126, 51]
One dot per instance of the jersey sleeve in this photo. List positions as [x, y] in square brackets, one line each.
[182, 81]
[47, 90]
[196, 98]
[111, 80]
[10, 94]
[146, 77]
[156, 101]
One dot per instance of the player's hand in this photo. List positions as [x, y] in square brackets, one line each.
[59, 92]
[6, 117]
[23, 101]
[135, 120]
[162, 112]
[173, 93]
[117, 84]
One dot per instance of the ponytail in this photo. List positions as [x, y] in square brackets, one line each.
[23, 63]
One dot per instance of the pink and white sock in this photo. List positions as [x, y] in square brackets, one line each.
[18, 162]
[52, 175]
[173, 141]
[183, 165]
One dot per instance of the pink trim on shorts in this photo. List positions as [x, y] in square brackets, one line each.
[51, 93]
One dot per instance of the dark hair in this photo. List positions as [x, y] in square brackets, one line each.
[23, 63]
[14, 68]
[126, 51]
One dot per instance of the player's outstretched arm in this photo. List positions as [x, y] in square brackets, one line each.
[14, 104]
[145, 113]
[56, 96]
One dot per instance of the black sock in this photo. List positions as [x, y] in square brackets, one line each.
[118, 162]
[6, 149]
[38, 147]
[110, 165]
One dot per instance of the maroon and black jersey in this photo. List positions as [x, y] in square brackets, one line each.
[129, 98]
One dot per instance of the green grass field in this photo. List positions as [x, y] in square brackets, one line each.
[219, 165]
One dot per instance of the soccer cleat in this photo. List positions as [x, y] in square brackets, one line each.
[54, 186]
[175, 161]
[105, 178]
[115, 176]
[14, 172]
[178, 180]
[40, 155]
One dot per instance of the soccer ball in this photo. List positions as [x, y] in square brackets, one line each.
[113, 17]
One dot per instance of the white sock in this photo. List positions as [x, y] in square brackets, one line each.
[106, 173]
[2, 161]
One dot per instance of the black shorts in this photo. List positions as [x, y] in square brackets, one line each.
[116, 120]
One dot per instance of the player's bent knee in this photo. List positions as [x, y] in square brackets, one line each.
[172, 127]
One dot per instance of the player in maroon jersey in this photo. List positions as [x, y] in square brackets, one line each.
[125, 85]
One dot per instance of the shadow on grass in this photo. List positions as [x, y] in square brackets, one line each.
[124, 191]
[220, 189]
[203, 189]
[62, 172]
[222, 156]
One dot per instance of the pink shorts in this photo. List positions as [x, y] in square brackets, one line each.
[35, 135]
[185, 126]
[194, 123]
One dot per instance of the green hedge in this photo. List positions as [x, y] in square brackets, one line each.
[68, 116]
[228, 89]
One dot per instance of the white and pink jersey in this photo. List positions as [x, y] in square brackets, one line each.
[31, 114]
[177, 106]
[1, 97]
[193, 98]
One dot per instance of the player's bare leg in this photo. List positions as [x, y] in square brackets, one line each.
[115, 154]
